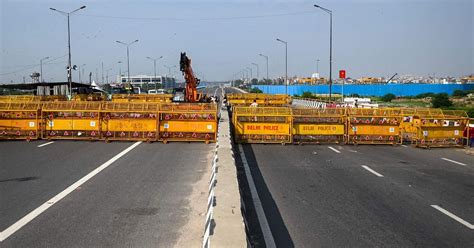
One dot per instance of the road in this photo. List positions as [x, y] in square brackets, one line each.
[364, 196]
[153, 195]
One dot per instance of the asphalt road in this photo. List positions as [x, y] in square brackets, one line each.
[314, 196]
[153, 196]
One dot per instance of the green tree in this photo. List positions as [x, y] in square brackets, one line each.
[255, 90]
[307, 94]
[460, 93]
[441, 101]
[388, 97]
[424, 95]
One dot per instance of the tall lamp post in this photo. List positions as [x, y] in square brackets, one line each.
[256, 65]
[286, 64]
[330, 46]
[266, 58]
[69, 67]
[154, 66]
[41, 68]
[128, 57]
[79, 69]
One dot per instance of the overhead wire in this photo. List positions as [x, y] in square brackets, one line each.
[199, 18]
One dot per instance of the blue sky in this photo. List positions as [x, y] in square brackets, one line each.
[371, 37]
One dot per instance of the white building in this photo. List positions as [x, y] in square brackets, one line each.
[148, 82]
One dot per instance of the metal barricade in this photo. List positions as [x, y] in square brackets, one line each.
[318, 125]
[188, 122]
[267, 100]
[129, 121]
[440, 128]
[262, 124]
[19, 120]
[155, 98]
[373, 126]
[20, 98]
[71, 120]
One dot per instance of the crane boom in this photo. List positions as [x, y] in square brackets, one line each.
[191, 94]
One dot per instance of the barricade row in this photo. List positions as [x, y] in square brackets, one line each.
[422, 127]
[109, 121]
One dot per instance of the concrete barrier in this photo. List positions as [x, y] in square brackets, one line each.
[224, 224]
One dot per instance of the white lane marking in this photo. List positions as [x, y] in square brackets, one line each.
[45, 144]
[452, 161]
[335, 150]
[446, 212]
[373, 172]
[404, 145]
[33, 214]
[352, 150]
[267, 233]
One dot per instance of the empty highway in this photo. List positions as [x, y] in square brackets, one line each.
[137, 194]
[364, 196]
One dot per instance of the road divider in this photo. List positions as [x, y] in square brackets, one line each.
[224, 223]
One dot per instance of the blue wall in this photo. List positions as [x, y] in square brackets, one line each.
[368, 90]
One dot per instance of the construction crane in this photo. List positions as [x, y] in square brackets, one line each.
[191, 93]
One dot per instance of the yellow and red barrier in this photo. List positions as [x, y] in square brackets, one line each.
[19, 120]
[311, 125]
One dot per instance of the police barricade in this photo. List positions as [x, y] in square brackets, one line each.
[19, 98]
[262, 124]
[88, 97]
[441, 128]
[19, 120]
[259, 98]
[373, 126]
[71, 120]
[129, 121]
[318, 125]
[156, 98]
[188, 122]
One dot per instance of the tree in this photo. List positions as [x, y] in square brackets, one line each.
[388, 97]
[441, 101]
[460, 93]
[307, 94]
[255, 90]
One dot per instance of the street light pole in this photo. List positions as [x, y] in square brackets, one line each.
[154, 66]
[286, 64]
[120, 71]
[128, 56]
[41, 68]
[317, 66]
[255, 64]
[330, 46]
[69, 68]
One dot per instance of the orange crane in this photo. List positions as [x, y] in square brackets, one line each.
[191, 94]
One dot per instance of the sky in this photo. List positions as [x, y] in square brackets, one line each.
[370, 37]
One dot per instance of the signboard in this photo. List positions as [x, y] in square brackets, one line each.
[342, 74]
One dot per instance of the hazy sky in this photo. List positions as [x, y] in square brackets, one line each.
[371, 37]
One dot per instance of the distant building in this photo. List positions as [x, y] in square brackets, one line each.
[148, 82]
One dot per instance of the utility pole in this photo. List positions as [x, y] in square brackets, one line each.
[128, 56]
[255, 64]
[330, 46]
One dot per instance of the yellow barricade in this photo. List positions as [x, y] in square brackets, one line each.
[261, 99]
[129, 121]
[88, 98]
[373, 126]
[188, 122]
[71, 120]
[155, 98]
[440, 128]
[31, 98]
[19, 120]
[318, 125]
[262, 124]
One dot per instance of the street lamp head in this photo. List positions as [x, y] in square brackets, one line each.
[52, 9]
[317, 6]
[83, 7]
[136, 41]
[160, 57]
